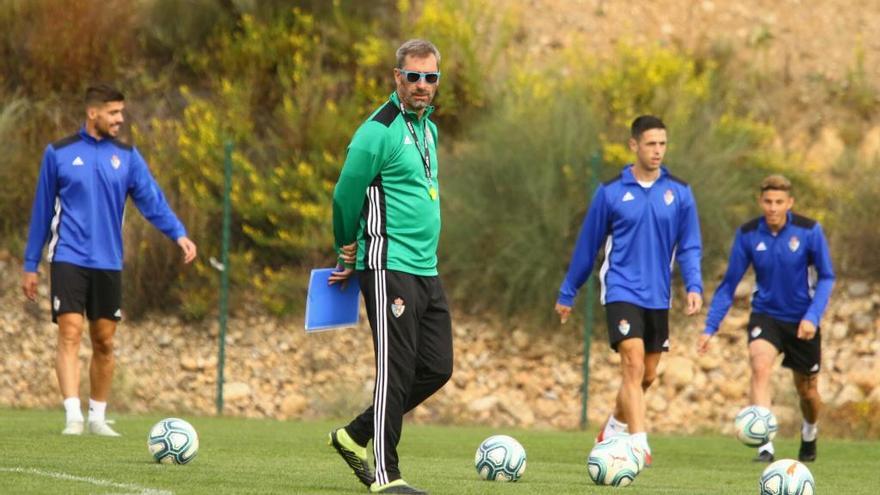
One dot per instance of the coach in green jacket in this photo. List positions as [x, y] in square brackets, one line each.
[387, 200]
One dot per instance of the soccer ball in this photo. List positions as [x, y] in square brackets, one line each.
[755, 426]
[500, 458]
[787, 477]
[615, 461]
[173, 441]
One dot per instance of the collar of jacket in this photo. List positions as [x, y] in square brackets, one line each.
[762, 224]
[396, 100]
[628, 178]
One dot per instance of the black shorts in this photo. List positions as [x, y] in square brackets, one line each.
[803, 356]
[628, 321]
[75, 289]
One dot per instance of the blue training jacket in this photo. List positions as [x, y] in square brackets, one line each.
[80, 199]
[792, 270]
[644, 230]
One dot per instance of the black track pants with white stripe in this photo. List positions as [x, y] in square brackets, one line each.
[412, 341]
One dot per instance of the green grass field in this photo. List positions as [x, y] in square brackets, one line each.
[241, 456]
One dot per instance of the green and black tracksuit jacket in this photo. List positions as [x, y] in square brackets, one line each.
[383, 198]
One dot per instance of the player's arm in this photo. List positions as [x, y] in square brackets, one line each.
[593, 231]
[689, 251]
[821, 258]
[722, 300]
[366, 153]
[41, 217]
[151, 202]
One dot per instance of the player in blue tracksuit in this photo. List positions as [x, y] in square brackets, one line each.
[84, 182]
[646, 219]
[794, 279]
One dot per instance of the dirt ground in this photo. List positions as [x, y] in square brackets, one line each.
[812, 46]
[810, 38]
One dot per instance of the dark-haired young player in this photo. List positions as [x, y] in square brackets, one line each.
[84, 182]
[645, 218]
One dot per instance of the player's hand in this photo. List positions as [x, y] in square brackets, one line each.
[188, 247]
[694, 303]
[349, 253]
[564, 312]
[342, 274]
[703, 343]
[806, 330]
[29, 285]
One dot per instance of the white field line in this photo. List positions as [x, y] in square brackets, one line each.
[129, 488]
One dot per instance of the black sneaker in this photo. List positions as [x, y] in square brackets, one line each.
[353, 454]
[764, 456]
[807, 453]
[397, 486]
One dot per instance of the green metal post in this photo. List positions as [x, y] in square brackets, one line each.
[595, 161]
[224, 272]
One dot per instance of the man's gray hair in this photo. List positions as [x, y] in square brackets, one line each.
[418, 48]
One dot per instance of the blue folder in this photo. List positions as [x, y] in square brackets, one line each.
[331, 306]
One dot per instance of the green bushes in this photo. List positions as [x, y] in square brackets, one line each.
[17, 196]
[853, 233]
[513, 198]
[288, 87]
[56, 46]
[516, 194]
[287, 96]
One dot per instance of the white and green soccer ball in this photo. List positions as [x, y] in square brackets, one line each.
[755, 426]
[615, 461]
[787, 477]
[500, 458]
[173, 441]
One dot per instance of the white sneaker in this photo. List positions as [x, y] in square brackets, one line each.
[101, 428]
[73, 428]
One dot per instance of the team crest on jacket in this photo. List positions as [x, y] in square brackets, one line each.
[398, 307]
[114, 160]
[794, 243]
[668, 197]
[623, 326]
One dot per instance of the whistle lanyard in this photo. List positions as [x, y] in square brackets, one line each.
[426, 156]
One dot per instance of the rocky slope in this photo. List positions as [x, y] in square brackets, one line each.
[504, 376]
[815, 51]
[809, 40]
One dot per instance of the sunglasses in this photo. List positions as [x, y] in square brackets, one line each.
[415, 76]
